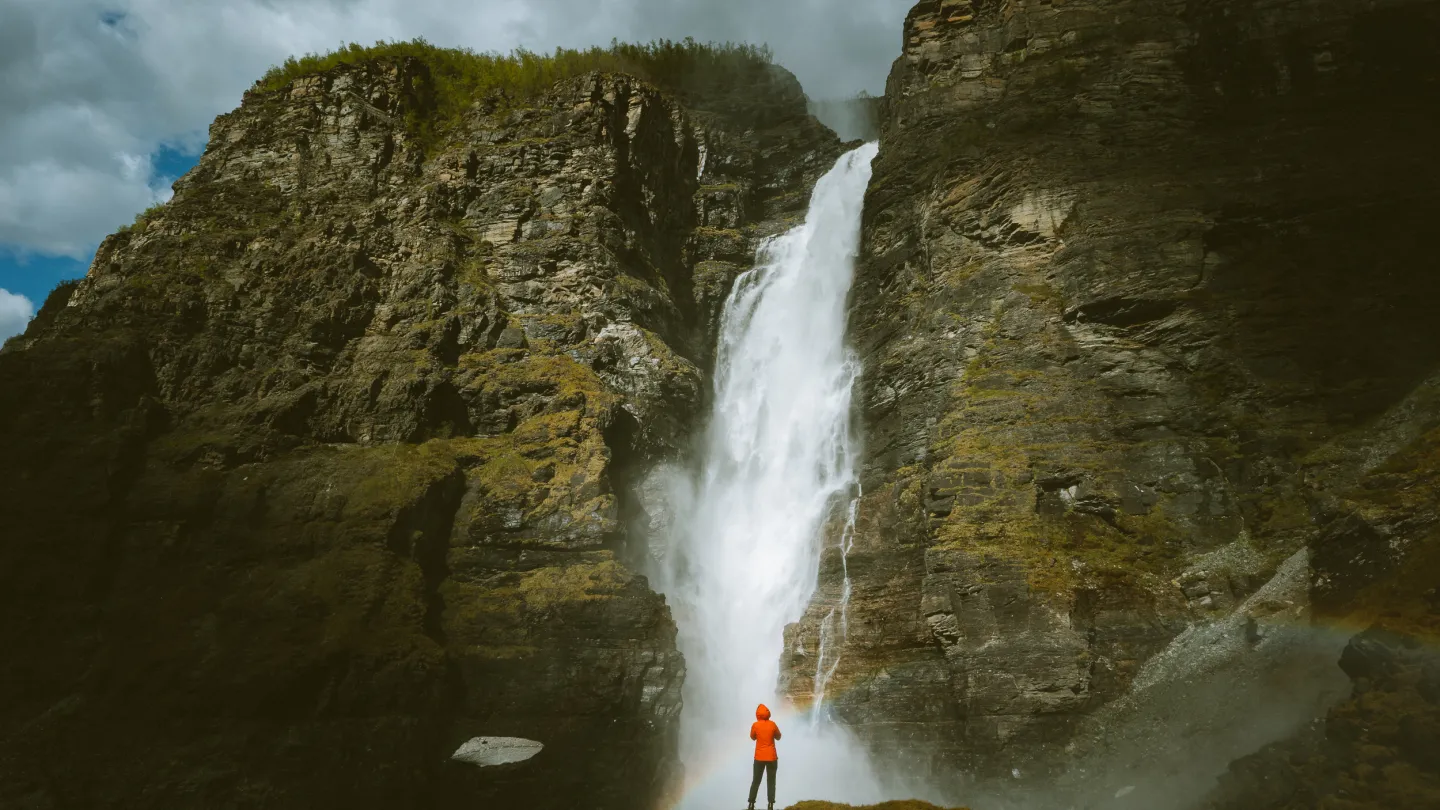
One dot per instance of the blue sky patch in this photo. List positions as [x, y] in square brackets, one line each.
[35, 275]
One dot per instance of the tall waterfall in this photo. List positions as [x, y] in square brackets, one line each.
[778, 462]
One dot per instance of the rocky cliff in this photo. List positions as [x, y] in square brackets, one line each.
[324, 469]
[1146, 317]
[330, 464]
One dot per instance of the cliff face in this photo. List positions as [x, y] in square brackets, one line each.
[1148, 340]
[325, 467]
[331, 464]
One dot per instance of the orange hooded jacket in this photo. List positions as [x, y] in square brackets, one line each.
[764, 733]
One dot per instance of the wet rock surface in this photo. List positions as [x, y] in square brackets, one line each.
[1143, 316]
[324, 469]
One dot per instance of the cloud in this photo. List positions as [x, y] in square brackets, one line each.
[92, 88]
[15, 312]
[835, 47]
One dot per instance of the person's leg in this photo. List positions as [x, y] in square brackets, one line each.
[770, 768]
[755, 781]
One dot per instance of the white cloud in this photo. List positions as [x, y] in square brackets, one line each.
[15, 312]
[50, 207]
[89, 87]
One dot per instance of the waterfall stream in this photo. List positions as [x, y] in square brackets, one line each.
[827, 658]
[778, 462]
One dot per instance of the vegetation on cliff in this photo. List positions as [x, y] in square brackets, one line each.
[462, 76]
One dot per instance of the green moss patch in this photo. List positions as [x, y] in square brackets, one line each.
[548, 588]
[1065, 552]
[569, 383]
[497, 619]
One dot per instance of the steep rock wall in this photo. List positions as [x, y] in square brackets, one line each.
[323, 469]
[1135, 275]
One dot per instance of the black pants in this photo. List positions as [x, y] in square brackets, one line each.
[767, 768]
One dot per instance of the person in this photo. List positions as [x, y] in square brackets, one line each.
[764, 732]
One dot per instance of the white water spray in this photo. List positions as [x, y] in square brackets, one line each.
[779, 460]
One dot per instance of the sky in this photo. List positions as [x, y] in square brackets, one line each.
[104, 103]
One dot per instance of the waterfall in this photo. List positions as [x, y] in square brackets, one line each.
[778, 462]
[827, 658]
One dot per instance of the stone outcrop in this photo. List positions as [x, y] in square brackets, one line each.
[1144, 311]
[324, 468]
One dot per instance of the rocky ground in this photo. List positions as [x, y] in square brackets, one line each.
[902, 804]
[1149, 368]
[324, 468]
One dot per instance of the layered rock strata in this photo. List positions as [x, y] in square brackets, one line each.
[1138, 278]
[323, 469]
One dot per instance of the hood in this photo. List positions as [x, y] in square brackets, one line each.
[762, 713]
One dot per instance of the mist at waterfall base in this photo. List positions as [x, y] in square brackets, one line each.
[741, 557]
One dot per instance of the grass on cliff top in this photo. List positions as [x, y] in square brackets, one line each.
[141, 219]
[463, 76]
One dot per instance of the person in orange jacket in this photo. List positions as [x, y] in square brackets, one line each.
[764, 732]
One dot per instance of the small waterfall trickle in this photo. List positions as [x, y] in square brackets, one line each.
[827, 658]
[779, 461]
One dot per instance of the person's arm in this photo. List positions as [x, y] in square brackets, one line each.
[777, 732]
[752, 731]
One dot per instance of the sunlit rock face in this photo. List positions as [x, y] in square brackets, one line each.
[1143, 315]
[325, 468]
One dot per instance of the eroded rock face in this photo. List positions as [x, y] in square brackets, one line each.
[324, 469]
[1137, 276]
